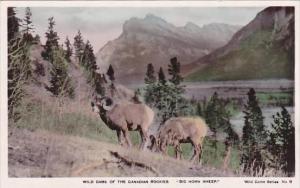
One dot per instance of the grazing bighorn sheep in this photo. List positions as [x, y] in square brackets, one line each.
[181, 130]
[125, 117]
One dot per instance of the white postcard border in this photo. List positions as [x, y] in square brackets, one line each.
[7, 182]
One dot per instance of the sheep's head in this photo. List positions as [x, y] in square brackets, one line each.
[102, 104]
[166, 138]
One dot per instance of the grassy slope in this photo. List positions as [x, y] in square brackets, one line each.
[46, 154]
[39, 116]
[211, 157]
[257, 58]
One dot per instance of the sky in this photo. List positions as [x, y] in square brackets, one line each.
[102, 24]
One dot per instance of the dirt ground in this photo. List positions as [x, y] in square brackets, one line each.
[46, 154]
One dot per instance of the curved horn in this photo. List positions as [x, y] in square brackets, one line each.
[107, 103]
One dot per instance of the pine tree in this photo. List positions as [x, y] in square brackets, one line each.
[211, 113]
[231, 139]
[213, 119]
[174, 71]
[19, 73]
[37, 39]
[78, 46]
[88, 61]
[110, 73]
[28, 26]
[69, 50]
[61, 83]
[19, 68]
[254, 136]
[218, 119]
[150, 81]
[281, 143]
[52, 40]
[150, 74]
[164, 96]
[161, 76]
[12, 23]
[201, 108]
[99, 81]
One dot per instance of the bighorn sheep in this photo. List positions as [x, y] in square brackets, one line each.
[125, 117]
[181, 130]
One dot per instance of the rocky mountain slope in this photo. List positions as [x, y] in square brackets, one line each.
[154, 40]
[262, 49]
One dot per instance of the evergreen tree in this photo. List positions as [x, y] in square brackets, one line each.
[88, 61]
[12, 23]
[98, 82]
[69, 50]
[218, 119]
[161, 76]
[19, 73]
[110, 73]
[212, 118]
[78, 46]
[61, 84]
[37, 39]
[150, 81]
[150, 74]
[19, 68]
[201, 108]
[28, 27]
[164, 96]
[254, 136]
[211, 114]
[174, 71]
[52, 40]
[281, 143]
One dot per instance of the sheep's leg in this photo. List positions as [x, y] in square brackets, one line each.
[153, 143]
[196, 151]
[126, 135]
[178, 152]
[144, 136]
[119, 134]
[200, 150]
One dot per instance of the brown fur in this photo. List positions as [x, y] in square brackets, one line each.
[127, 116]
[183, 130]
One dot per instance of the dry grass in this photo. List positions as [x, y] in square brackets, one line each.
[45, 154]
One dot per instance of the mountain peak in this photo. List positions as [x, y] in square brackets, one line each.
[154, 19]
[152, 38]
[191, 26]
[151, 16]
[149, 22]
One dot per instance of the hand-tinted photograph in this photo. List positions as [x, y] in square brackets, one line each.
[151, 91]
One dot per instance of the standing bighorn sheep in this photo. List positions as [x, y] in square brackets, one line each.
[181, 130]
[124, 117]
